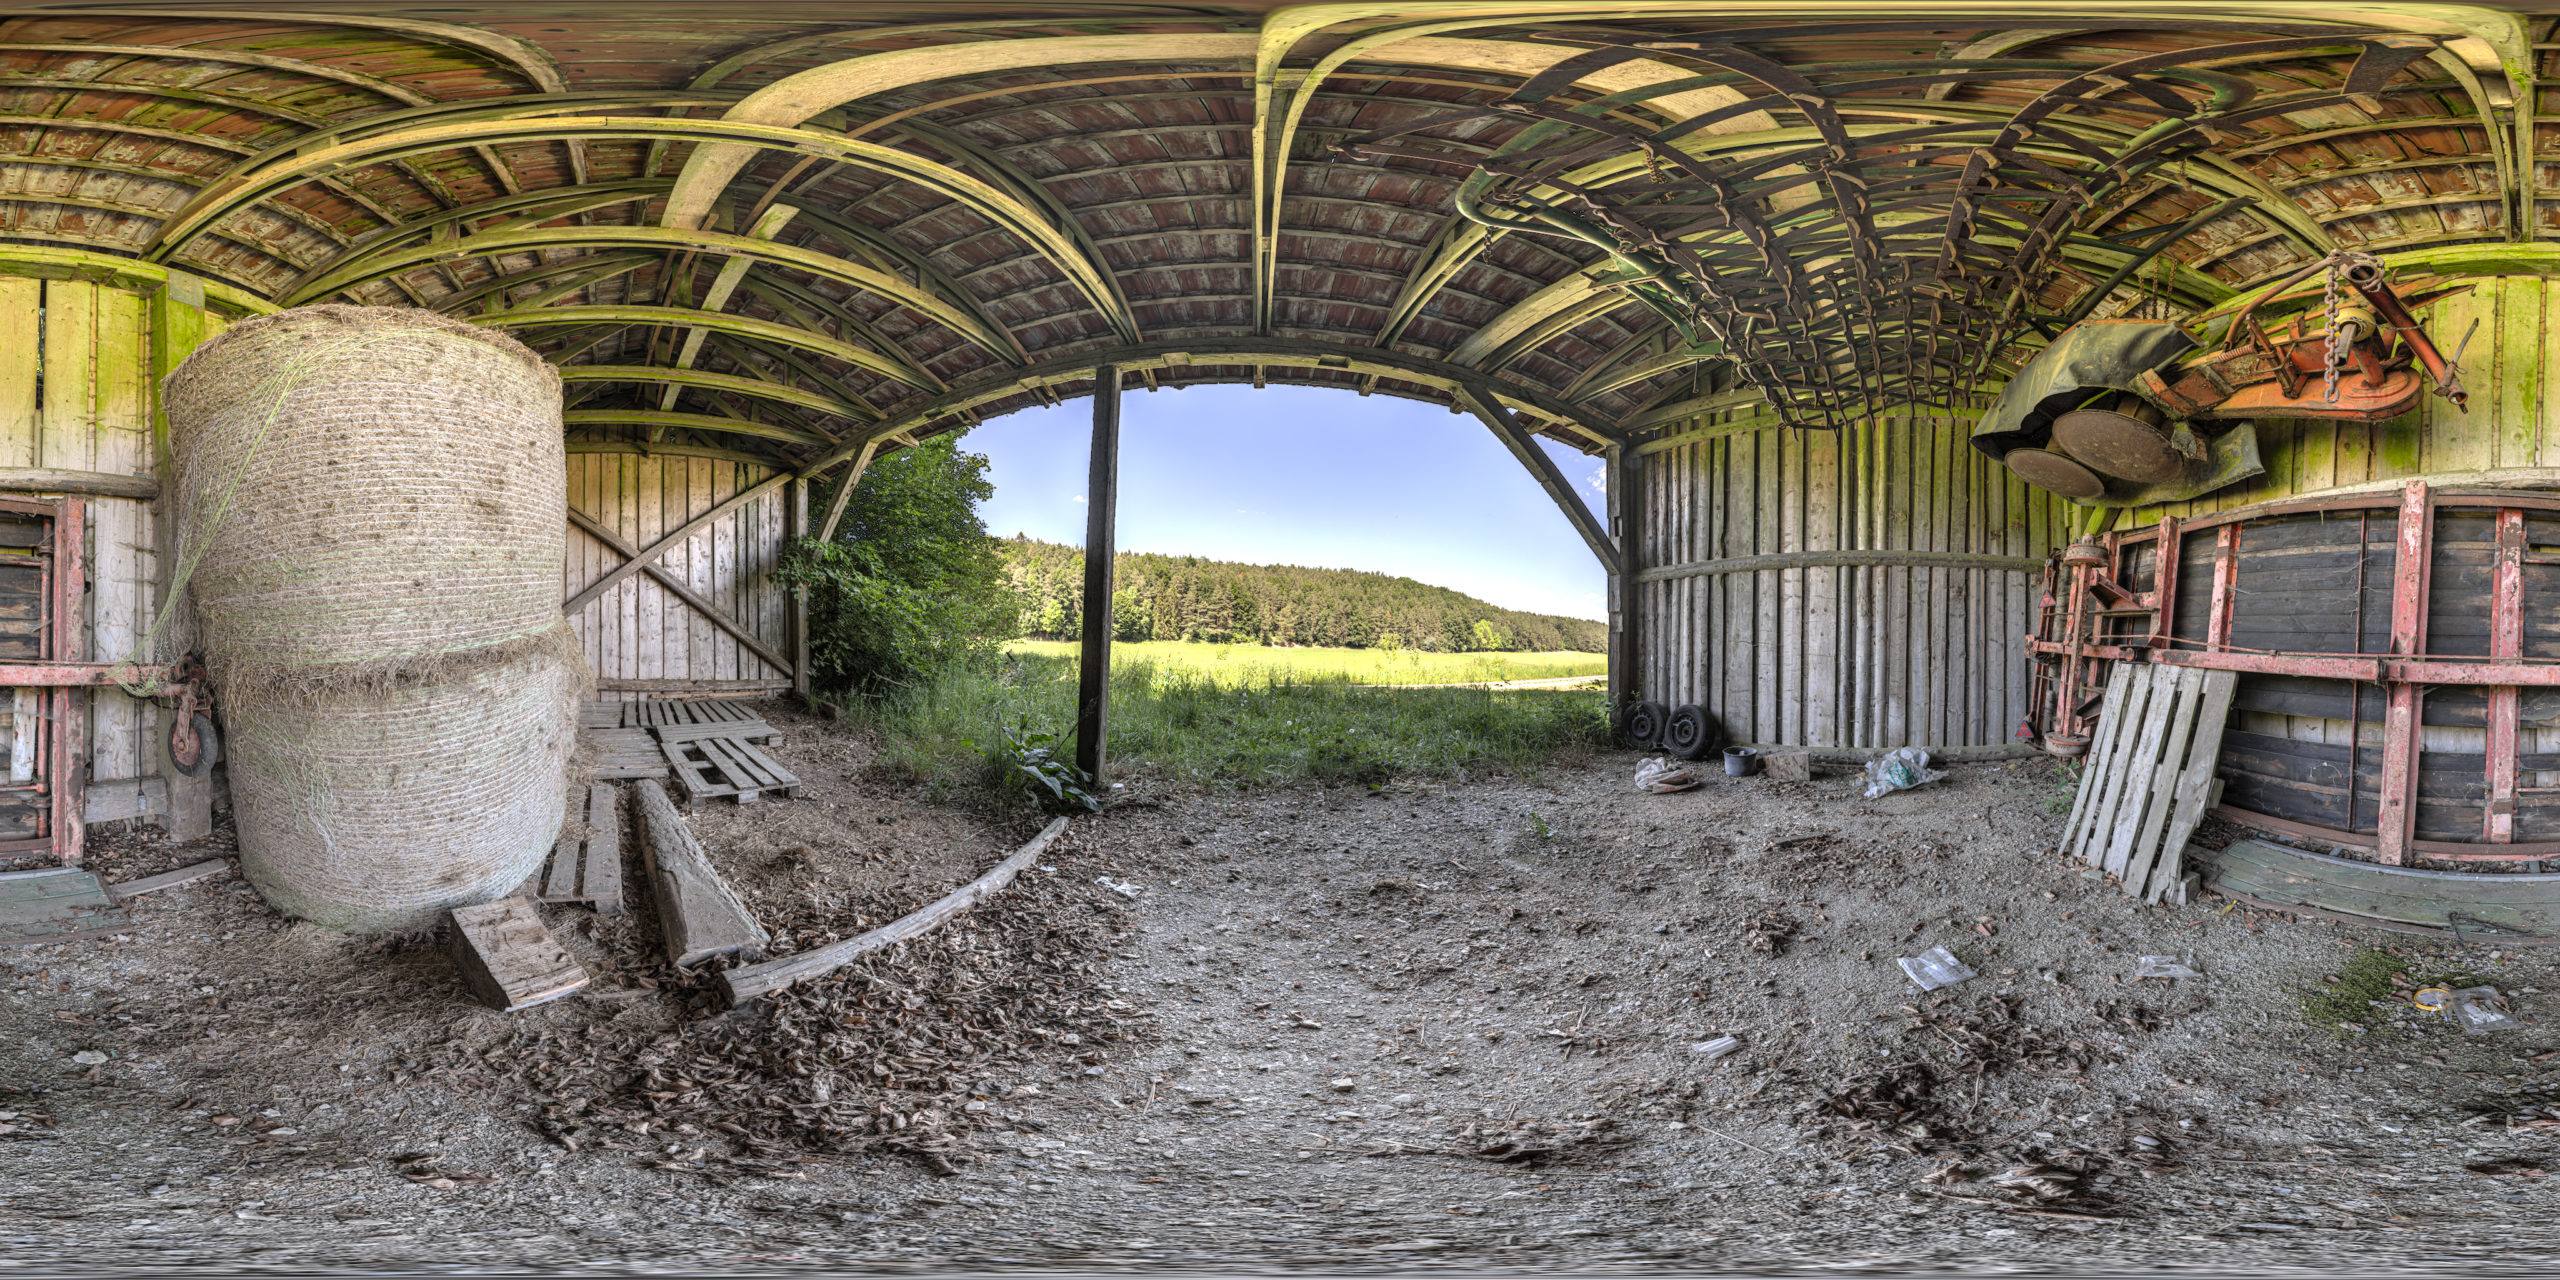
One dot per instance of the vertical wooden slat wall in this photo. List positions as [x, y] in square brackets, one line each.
[76, 395]
[1842, 656]
[638, 630]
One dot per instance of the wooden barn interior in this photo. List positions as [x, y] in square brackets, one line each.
[1830, 287]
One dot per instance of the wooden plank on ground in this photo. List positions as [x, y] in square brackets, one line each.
[2198, 788]
[700, 916]
[2093, 767]
[745, 729]
[601, 879]
[508, 959]
[168, 879]
[2480, 906]
[746, 983]
[54, 903]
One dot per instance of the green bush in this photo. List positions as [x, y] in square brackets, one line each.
[911, 586]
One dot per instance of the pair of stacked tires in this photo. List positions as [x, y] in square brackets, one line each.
[372, 518]
[1688, 731]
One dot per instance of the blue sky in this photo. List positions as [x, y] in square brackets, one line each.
[1301, 475]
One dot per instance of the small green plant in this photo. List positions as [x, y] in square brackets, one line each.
[1540, 824]
[1031, 761]
[2066, 787]
[2344, 1000]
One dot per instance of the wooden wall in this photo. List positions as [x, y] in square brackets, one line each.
[640, 631]
[1916, 643]
[76, 395]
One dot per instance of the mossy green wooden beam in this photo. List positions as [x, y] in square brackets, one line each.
[243, 191]
[717, 321]
[880, 283]
[690, 422]
[779, 392]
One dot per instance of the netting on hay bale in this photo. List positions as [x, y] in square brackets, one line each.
[372, 514]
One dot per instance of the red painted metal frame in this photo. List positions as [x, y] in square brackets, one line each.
[2405, 672]
[2506, 640]
[2415, 543]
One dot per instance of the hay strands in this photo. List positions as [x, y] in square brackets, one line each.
[747, 983]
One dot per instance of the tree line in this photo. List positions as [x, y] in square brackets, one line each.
[1160, 597]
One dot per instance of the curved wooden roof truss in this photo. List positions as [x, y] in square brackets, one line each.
[802, 239]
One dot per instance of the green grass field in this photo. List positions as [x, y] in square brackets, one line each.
[1253, 666]
[1238, 726]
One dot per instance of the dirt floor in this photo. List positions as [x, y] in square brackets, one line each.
[1445, 1024]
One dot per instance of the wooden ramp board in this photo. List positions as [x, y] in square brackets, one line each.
[701, 917]
[600, 715]
[590, 870]
[53, 903]
[709, 768]
[508, 959]
[624, 755]
[2150, 777]
[2484, 908]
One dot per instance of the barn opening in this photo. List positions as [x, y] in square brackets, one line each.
[2160, 391]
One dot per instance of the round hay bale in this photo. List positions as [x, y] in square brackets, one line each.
[364, 493]
[374, 811]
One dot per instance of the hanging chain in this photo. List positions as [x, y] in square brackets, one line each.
[2333, 355]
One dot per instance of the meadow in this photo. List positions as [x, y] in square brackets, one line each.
[1237, 725]
[1258, 666]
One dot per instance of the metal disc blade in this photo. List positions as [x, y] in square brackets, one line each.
[2055, 474]
[2116, 444]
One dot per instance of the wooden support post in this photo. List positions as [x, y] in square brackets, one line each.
[177, 327]
[2401, 740]
[844, 490]
[2506, 643]
[1626, 524]
[795, 519]
[1101, 504]
[67, 719]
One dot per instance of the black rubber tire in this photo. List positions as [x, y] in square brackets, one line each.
[1693, 733]
[209, 742]
[1642, 725]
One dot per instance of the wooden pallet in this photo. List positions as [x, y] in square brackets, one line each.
[755, 731]
[623, 755]
[649, 713]
[590, 870]
[2149, 776]
[708, 768]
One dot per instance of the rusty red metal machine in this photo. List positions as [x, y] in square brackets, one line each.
[43, 590]
[2403, 619]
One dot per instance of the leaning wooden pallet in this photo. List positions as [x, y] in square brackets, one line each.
[2150, 777]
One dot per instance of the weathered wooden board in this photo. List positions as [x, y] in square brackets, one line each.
[750, 730]
[698, 913]
[2150, 771]
[2479, 906]
[508, 959]
[748, 982]
[588, 870]
[52, 904]
[169, 879]
[719, 767]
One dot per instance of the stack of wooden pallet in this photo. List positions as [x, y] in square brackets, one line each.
[2149, 776]
[711, 749]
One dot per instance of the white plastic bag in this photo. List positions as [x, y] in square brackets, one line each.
[1716, 1048]
[2162, 967]
[2481, 1010]
[1660, 775]
[1934, 968]
[1900, 770]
